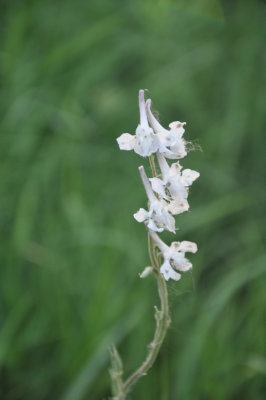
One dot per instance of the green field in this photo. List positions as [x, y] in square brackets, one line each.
[71, 251]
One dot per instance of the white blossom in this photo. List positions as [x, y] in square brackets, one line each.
[174, 184]
[158, 217]
[144, 142]
[167, 193]
[174, 257]
[171, 142]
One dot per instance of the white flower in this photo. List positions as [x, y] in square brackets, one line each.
[174, 257]
[144, 142]
[157, 218]
[168, 272]
[171, 142]
[174, 184]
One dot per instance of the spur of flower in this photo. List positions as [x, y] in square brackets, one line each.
[144, 142]
[158, 217]
[174, 257]
[171, 142]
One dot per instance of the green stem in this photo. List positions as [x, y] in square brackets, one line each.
[116, 373]
[162, 324]
[120, 389]
[152, 165]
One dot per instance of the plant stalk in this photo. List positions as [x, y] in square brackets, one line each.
[162, 318]
[162, 324]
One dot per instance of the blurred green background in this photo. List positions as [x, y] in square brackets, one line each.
[70, 248]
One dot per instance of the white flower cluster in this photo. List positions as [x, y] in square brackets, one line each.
[168, 193]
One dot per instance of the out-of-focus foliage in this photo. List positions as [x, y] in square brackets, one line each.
[70, 249]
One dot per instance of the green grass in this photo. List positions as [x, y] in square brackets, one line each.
[70, 249]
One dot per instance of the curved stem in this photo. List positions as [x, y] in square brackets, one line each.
[162, 325]
[120, 389]
[161, 316]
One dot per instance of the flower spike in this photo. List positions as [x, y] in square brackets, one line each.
[168, 193]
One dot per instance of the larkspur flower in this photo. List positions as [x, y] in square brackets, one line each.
[158, 217]
[170, 142]
[144, 142]
[173, 186]
[174, 257]
[168, 193]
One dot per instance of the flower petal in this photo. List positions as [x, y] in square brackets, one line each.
[189, 176]
[146, 142]
[179, 149]
[183, 265]
[153, 226]
[175, 169]
[178, 206]
[158, 187]
[176, 255]
[161, 216]
[186, 246]
[178, 260]
[126, 141]
[168, 272]
[177, 127]
[141, 215]
[177, 190]
[171, 144]
[163, 149]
